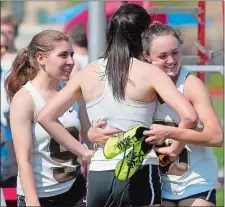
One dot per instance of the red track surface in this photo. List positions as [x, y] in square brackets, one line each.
[217, 93]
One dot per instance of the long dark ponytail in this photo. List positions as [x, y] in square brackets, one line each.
[124, 42]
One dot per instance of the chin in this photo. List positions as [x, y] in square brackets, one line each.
[171, 74]
[65, 78]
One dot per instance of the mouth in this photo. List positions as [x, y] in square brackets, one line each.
[67, 71]
[171, 67]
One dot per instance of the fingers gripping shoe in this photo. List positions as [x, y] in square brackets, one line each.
[118, 143]
[130, 164]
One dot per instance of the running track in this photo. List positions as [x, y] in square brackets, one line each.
[216, 93]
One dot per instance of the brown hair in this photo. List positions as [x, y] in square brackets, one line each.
[157, 29]
[25, 66]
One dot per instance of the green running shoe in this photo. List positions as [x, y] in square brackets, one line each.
[131, 163]
[118, 143]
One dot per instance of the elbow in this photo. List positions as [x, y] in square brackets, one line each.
[42, 119]
[217, 140]
[190, 121]
[214, 137]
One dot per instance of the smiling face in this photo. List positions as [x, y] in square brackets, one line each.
[4, 45]
[9, 31]
[165, 53]
[59, 62]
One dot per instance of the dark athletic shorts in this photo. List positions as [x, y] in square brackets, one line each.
[143, 188]
[75, 196]
[207, 196]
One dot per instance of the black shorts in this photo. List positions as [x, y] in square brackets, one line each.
[75, 196]
[207, 196]
[143, 188]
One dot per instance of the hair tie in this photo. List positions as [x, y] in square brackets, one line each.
[155, 23]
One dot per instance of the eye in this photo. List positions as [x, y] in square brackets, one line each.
[71, 54]
[64, 55]
[163, 56]
[175, 52]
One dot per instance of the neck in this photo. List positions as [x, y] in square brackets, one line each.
[175, 78]
[45, 83]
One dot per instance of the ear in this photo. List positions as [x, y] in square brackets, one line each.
[41, 59]
[147, 58]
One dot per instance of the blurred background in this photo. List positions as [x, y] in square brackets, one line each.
[201, 25]
[35, 16]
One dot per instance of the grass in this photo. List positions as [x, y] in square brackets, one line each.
[218, 105]
[220, 197]
[175, 3]
[219, 152]
[215, 80]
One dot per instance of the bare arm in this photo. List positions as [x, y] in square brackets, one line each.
[211, 135]
[167, 90]
[177, 146]
[48, 117]
[85, 123]
[21, 115]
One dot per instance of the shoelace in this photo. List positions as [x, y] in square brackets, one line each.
[131, 163]
[135, 158]
[121, 193]
[122, 144]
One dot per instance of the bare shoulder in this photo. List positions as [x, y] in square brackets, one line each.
[194, 84]
[83, 76]
[195, 90]
[151, 72]
[148, 67]
[91, 67]
[22, 101]
[91, 70]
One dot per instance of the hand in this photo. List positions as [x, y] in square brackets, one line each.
[167, 151]
[157, 134]
[33, 202]
[166, 155]
[87, 155]
[98, 135]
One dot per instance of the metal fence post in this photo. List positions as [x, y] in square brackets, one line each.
[96, 29]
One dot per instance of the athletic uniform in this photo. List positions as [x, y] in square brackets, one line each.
[144, 187]
[57, 172]
[194, 174]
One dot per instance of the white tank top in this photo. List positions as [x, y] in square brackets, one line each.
[121, 115]
[200, 163]
[55, 168]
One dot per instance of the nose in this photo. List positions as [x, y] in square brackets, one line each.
[170, 59]
[70, 60]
